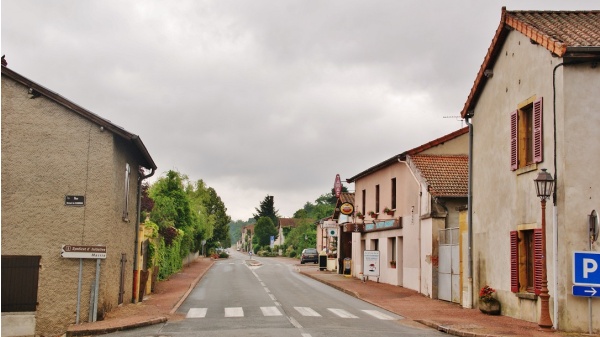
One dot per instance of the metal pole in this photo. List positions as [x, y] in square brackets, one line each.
[96, 290]
[590, 298]
[79, 291]
[544, 321]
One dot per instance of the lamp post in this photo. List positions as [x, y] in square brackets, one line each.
[543, 186]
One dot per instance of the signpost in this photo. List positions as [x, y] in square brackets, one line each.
[83, 252]
[371, 263]
[586, 277]
[337, 186]
[86, 252]
[586, 291]
[586, 268]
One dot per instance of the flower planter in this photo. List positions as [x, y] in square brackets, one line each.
[490, 307]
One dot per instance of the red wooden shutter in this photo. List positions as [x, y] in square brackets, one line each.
[514, 159]
[538, 139]
[514, 261]
[537, 260]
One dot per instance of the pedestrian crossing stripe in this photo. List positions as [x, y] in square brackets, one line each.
[234, 312]
[270, 311]
[197, 313]
[304, 311]
[342, 313]
[274, 311]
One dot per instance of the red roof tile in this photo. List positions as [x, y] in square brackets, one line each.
[563, 33]
[446, 175]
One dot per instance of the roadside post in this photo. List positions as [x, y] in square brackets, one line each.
[85, 252]
[586, 268]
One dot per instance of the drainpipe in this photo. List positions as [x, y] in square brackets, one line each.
[134, 293]
[469, 298]
[554, 197]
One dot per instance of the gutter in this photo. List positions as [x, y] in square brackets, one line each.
[134, 293]
[469, 298]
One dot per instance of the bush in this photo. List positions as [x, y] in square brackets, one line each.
[223, 255]
[292, 253]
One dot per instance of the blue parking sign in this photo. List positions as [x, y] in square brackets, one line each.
[586, 268]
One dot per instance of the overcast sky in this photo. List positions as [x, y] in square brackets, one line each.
[263, 97]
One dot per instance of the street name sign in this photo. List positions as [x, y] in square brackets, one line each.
[74, 200]
[83, 252]
[586, 291]
[586, 268]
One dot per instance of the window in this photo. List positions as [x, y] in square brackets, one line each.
[364, 201]
[20, 276]
[376, 198]
[392, 248]
[393, 204]
[126, 206]
[526, 134]
[526, 260]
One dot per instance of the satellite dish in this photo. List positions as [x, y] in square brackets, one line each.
[594, 226]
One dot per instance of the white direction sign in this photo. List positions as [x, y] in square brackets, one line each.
[83, 252]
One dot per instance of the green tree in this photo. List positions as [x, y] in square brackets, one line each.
[171, 204]
[303, 236]
[263, 231]
[267, 209]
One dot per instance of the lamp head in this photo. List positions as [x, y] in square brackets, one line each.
[543, 184]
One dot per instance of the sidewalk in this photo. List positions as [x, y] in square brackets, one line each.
[441, 315]
[444, 316]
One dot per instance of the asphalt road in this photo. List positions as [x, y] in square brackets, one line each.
[272, 299]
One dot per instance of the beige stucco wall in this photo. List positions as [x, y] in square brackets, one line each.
[49, 152]
[504, 199]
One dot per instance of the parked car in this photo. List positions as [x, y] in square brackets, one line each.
[309, 255]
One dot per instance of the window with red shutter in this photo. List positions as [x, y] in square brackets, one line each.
[514, 156]
[514, 261]
[537, 131]
[526, 136]
[537, 272]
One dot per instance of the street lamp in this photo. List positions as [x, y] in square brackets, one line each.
[543, 186]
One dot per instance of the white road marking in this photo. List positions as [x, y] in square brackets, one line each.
[267, 290]
[234, 312]
[270, 311]
[378, 315]
[196, 313]
[342, 313]
[305, 311]
[272, 297]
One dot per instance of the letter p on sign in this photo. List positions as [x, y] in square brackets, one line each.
[589, 266]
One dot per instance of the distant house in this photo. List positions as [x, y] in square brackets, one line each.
[406, 208]
[69, 177]
[534, 105]
[284, 225]
[247, 235]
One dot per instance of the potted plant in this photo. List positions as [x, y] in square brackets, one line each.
[360, 215]
[389, 211]
[393, 264]
[373, 214]
[488, 304]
